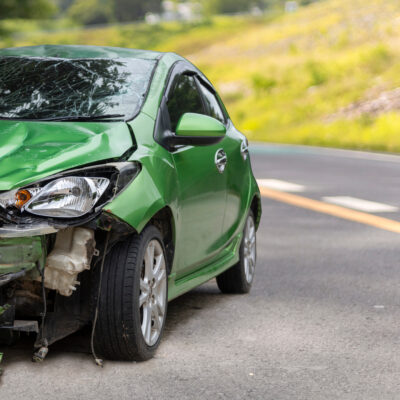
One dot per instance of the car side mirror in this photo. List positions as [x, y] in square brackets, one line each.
[197, 129]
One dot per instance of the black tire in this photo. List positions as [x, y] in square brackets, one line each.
[118, 333]
[234, 279]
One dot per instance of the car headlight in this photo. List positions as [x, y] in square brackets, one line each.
[67, 197]
[72, 194]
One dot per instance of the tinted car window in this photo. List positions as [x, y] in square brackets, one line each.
[184, 98]
[212, 105]
[40, 88]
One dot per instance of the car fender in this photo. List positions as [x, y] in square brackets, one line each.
[139, 202]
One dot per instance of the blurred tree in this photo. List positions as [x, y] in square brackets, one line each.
[227, 6]
[102, 11]
[129, 10]
[89, 12]
[64, 4]
[40, 9]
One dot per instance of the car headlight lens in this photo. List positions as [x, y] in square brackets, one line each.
[71, 194]
[66, 197]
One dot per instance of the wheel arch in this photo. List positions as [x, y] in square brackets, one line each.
[255, 206]
[164, 221]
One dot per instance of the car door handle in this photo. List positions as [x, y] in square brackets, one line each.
[221, 160]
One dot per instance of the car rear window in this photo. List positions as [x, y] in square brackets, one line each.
[51, 88]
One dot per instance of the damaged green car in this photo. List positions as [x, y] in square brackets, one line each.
[123, 184]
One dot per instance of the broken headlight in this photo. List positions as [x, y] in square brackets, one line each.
[73, 194]
[67, 197]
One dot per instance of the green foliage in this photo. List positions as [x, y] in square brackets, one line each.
[262, 84]
[26, 9]
[90, 12]
[377, 58]
[318, 73]
[64, 4]
[226, 6]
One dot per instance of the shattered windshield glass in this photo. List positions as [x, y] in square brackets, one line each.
[56, 88]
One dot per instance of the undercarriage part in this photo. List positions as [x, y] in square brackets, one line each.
[67, 314]
[42, 338]
[72, 254]
[24, 326]
[97, 359]
[9, 333]
[10, 327]
[40, 355]
[28, 304]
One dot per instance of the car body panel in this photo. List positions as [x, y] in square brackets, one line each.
[158, 84]
[206, 226]
[31, 150]
[201, 197]
[229, 256]
[239, 176]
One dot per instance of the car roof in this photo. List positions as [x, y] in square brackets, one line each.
[71, 52]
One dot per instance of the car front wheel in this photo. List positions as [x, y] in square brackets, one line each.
[239, 278]
[133, 298]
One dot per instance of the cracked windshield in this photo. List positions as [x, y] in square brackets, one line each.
[73, 88]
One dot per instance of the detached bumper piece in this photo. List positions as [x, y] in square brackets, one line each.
[20, 254]
[6, 278]
[18, 231]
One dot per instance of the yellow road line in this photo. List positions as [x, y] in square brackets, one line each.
[337, 211]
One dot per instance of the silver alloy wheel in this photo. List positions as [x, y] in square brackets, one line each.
[249, 249]
[153, 287]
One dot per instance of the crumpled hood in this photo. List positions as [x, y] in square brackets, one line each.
[33, 150]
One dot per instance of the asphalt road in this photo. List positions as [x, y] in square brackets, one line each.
[322, 320]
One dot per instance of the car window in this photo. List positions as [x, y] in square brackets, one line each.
[184, 98]
[212, 104]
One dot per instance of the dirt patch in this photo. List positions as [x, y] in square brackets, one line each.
[385, 102]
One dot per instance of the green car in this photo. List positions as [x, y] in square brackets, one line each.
[123, 184]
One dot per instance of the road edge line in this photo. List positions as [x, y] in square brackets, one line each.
[331, 209]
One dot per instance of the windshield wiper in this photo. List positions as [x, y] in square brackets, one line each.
[84, 117]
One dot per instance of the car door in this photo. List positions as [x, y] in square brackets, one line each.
[201, 184]
[236, 171]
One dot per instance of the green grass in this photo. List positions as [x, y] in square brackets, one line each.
[282, 77]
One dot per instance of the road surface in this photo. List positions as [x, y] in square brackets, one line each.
[322, 320]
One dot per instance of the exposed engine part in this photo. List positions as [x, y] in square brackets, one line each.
[72, 254]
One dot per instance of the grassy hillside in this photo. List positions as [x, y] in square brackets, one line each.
[325, 75]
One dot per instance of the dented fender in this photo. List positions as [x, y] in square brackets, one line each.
[139, 202]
